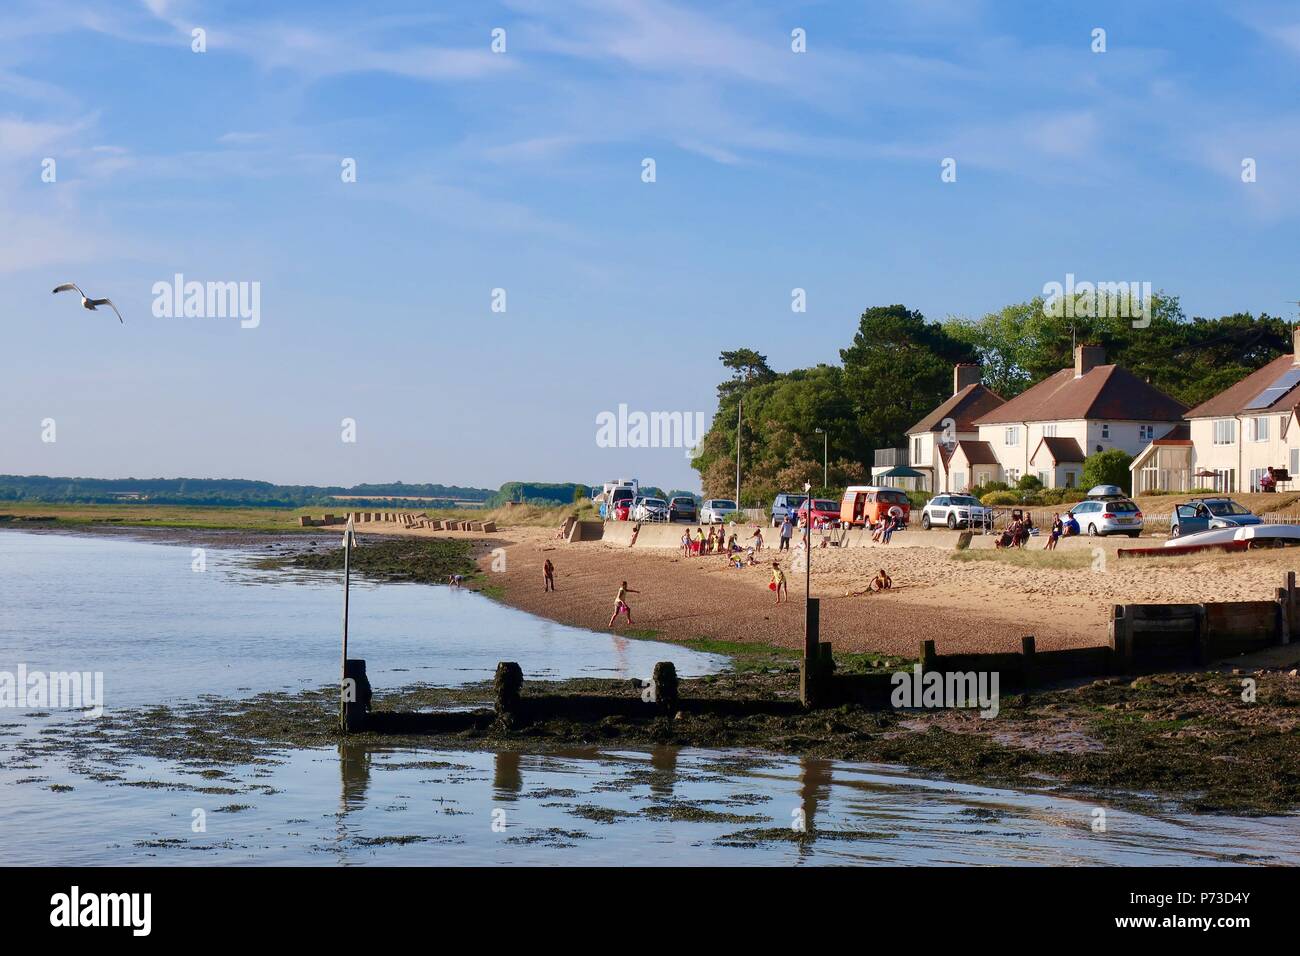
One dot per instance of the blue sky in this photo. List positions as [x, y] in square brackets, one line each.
[522, 171]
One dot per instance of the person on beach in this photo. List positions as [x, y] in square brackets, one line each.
[620, 604]
[699, 541]
[787, 530]
[881, 582]
[1055, 534]
[548, 576]
[778, 579]
[713, 541]
[1071, 525]
[686, 543]
[891, 523]
[757, 538]
[732, 547]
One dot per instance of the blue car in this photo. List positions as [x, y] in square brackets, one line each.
[1206, 514]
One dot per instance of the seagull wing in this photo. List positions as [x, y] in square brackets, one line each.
[109, 303]
[68, 287]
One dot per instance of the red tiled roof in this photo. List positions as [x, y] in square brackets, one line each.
[978, 452]
[1233, 400]
[963, 408]
[1180, 434]
[1061, 449]
[1104, 392]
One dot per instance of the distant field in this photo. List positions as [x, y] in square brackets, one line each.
[252, 519]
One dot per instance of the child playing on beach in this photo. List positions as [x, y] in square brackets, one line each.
[778, 578]
[881, 582]
[548, 576]
[757, 538]
[620, 604]
[686, 543]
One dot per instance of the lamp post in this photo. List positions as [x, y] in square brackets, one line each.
[825, 457]
[740, 404]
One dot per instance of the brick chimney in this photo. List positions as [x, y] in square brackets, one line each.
[1086, 358]
[967, 374]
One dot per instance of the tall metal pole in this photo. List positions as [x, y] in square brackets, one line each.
[826, 461]
[740, 404]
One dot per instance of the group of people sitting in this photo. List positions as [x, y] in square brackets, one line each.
[1066, 527]
[884, 529]
[1015, 534]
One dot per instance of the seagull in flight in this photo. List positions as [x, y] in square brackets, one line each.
[86, 301]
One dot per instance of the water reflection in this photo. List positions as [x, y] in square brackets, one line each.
[354, 771]
[507, 777]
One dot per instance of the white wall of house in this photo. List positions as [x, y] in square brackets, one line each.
[1240, 449]
[1014, 444]
[923, 448]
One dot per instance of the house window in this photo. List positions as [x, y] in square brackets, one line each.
[1013, 435]
[1295, 463]
[1260, 430]
[1045, 479]
[1069, 479]
[1225, 431]
[1255, 475]
[1105, 430]
[1146, 432]
[1013, 475]
[916, 451]
[959, 481]
[1049, 431]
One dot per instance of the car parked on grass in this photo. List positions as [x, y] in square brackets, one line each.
[954, 511]
[823, 510]
[717, 510]
[785, 504]
[683, 508]
[1099, 517]
[650, 509]
[1210, 514]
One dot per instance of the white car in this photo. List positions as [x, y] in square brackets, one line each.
[717, 510]
[650, 509]
[954, 511]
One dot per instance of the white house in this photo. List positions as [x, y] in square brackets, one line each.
[1236, 436]
[934, 442]
[1050, 428]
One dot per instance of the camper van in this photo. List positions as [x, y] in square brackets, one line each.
[870, 504]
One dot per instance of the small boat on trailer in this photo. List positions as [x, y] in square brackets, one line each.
[1224, 539]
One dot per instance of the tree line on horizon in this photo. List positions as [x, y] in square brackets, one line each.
[898, 368]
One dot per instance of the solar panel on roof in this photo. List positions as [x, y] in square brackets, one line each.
[1284, 384]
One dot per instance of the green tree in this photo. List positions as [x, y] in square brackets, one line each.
[1108, 467]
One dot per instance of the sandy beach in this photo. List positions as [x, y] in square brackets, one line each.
[984, 601]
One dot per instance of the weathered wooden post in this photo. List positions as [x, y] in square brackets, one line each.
[663, 686]
[811, 684]
[929, 659]
[346, 690]
[507, 683]
[357, 695]
[1121, 639]
[1027, 663]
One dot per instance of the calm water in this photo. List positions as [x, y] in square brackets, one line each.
[160, 630]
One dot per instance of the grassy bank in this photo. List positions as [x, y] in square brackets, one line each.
[216, 518]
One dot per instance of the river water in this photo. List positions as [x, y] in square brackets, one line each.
[161, 630]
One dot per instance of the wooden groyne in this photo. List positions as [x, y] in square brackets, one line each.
[1143, 639]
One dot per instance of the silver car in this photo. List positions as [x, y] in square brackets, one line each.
[717, 510]
[955, 511]
[1109, 516]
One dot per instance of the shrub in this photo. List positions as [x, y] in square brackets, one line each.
[995, 498]
[1108, 468]
[979, 491]
[1029, 483]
